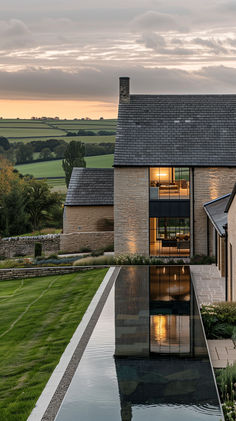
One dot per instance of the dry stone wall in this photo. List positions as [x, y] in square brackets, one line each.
[71, 243]
[24, 246]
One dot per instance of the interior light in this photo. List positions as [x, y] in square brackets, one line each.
[161, 174]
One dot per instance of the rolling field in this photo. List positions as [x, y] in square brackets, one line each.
[54, 168]
[27, 130]
[84, 139]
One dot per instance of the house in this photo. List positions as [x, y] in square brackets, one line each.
[231, 246]
[88, 221]
[173, 154]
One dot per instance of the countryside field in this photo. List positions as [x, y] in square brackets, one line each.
[52, 307]
[54, 168]
[28, 130]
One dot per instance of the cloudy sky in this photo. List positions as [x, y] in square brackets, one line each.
[64, 57]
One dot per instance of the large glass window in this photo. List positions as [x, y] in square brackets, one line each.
[170, 237]
[169, 183]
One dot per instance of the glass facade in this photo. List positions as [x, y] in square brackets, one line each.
[169, 183]
[169, 236]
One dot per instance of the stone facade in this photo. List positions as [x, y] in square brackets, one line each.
[73, 242]
[24, 246]
[85, 218]
[232, 250]
[209, 183]
[131, 210]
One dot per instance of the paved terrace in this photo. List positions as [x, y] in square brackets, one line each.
[210, 288]
[209, 285]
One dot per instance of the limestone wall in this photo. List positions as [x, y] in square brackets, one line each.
[232, 250]
[209, 183]
[74, 241]
[85, 218]
[20, 273]
[131, 210]
[24, 246]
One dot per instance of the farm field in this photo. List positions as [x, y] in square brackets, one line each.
[54, 168]
[26, 130]
[52, 307]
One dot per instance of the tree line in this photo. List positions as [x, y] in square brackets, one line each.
[26, 204]
[46, 150]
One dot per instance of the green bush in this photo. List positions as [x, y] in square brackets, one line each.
[201, 259]
[85, 249]
[98, 252]
[219, 319]
[226, 381]
[110, 247]
[38, 249]
[92, 261]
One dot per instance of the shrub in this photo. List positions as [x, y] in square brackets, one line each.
[226, 381]
[37, 249]
[219, 319]
[110, 247]
[85, 249]
[90, 261]
[53, 256]
[201, 259]
[98, 252]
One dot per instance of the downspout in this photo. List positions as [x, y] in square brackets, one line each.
[226, 263]
[208, 239]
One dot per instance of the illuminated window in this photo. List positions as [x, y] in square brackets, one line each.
[169, 183]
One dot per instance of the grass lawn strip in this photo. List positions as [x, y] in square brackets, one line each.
[40, 319]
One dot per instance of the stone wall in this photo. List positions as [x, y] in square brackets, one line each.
[17, 246]
[131, 200]
[20, 273]
[232, 250]
[209, 183]
[73, 242]
[85, 218]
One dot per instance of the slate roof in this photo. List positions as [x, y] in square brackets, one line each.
[230, 201]
[216, 212]
[90, 186]
[178, 130]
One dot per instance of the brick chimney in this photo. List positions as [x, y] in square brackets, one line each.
[124, 90]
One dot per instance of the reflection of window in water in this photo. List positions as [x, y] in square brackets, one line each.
[170, 334]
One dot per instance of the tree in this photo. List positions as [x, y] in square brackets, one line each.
[24, 153]
[45, 154]
[4, 143]
[39, 201]
[60, 150]
[74, 157]
[13, 217]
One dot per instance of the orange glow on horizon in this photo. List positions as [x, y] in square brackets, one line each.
[51, 108]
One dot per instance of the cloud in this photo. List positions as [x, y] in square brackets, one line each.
[213, 45]
[102, 83]
[152, 40]
[152, 20]
[14, 34]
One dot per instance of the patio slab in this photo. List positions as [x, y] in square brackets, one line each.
[209, 284]
[222, 352]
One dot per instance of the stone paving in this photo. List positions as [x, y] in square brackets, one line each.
[222, 352]
[209, 285]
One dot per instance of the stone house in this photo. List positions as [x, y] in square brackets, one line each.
[173, 154]
[88, 211]
[231, 246]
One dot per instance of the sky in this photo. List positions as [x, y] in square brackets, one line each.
[64, 57]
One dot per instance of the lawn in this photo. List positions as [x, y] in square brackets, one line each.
[38, 318]
[46, 131]
[54, 168]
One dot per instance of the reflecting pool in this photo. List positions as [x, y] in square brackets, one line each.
[146, 358]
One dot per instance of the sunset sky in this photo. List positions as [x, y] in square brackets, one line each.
[64, 57]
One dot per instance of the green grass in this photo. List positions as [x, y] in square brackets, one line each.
[38, 318]
[54, 168]
[10, 133]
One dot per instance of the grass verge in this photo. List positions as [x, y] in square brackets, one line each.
[38, 318]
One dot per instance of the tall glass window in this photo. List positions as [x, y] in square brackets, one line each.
[169, 183]
[170, 237]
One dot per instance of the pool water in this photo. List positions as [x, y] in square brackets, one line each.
[146, 358]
